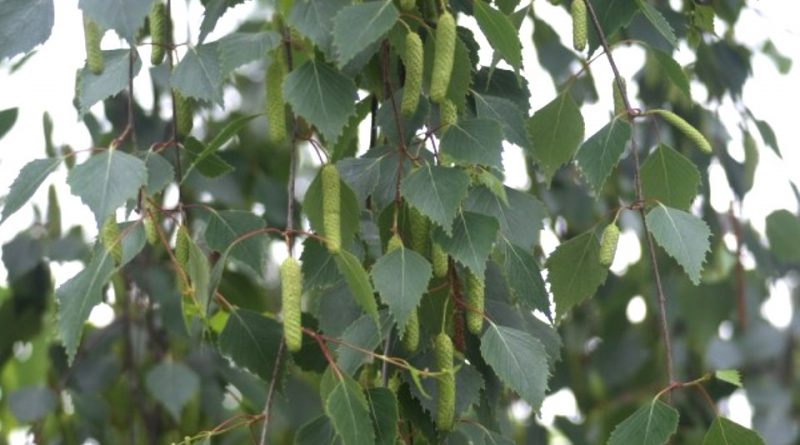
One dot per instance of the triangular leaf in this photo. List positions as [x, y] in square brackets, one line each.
[520, 218]
[172, 385]
[670, 178]
[574, 271]
[23, 25]
[509, 115]
[251, 340]
[436, 192]
[783, 233]
[652, 424]
[123, 16]
[348, 410]
[362, 335]
[358, 26]
[474, 141]
[556, 131]
[321, 95]
[240, 48]
[658, 21]
[93, 88]
[471, 242]
[519, 360]
[215, 9]
[106, 181]
[198, 74]
[727, 432]
[224, 227]
[525, 279]
[500, 32]
[27, 182]
[401, 278]
[8, 118]
[383, 410]
[684, 236]
[600, 153]
[673, 70]
[314, 19]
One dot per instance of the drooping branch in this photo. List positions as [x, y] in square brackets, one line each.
[632, 113]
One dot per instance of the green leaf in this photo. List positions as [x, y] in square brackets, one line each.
[520, 218]
[731, 376]
[314, 19]
[207, 163]
[123, 16]
[251, 340]
[78, 296]
[500, 32]
[768, 135]
[508, 114]
[198, 74]
[783, 233]
[469, 384]
[106, 181]
[358, 281]
[556, 131]
[27, 182]
[348, 410]
[673, 71]
[652, 424]
[401, 278]
[525, 279]
[383, 410]
[199, 271]
[321, 95]
[93, 88]
[658, 21]
[471, 242]
[361, 174]
[475, 433]
[683, 235]
[7, 119]
[362, 334]
[215, 9]
[436, 192]
[224, 227]
[319, 267]
[574, 271]
[461, 77]
[159, 173]
[30, 404]
[239, 48]
[670, 178]
[600, 153]
[474, 141]
[358, 26]
[23, 25]
[317, 431]
[613, 15]
[727, 432]
[519, 360]
[172, 385]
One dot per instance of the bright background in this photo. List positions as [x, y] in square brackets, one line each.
[46, 83]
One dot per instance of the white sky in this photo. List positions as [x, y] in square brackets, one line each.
[46, 83]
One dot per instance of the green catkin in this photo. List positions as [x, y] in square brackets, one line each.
[619, 101]
[410, 338]
[182, 243]
[608, 244]
[291, 291]
[439, 260]
[159, 32]
[686, 128]
[53, 214]
[407, 5]
[419, 228]
[275, 104]
[445, 406]
[110, 237]
[414, 61]
[443, 56]
[92, 35]
[184, 115]
[475, 301]
[149, 223]
[448, 114]
[579, 24]
[331, 208]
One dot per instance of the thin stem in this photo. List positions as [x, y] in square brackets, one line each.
[270, 393]
[662, 301]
